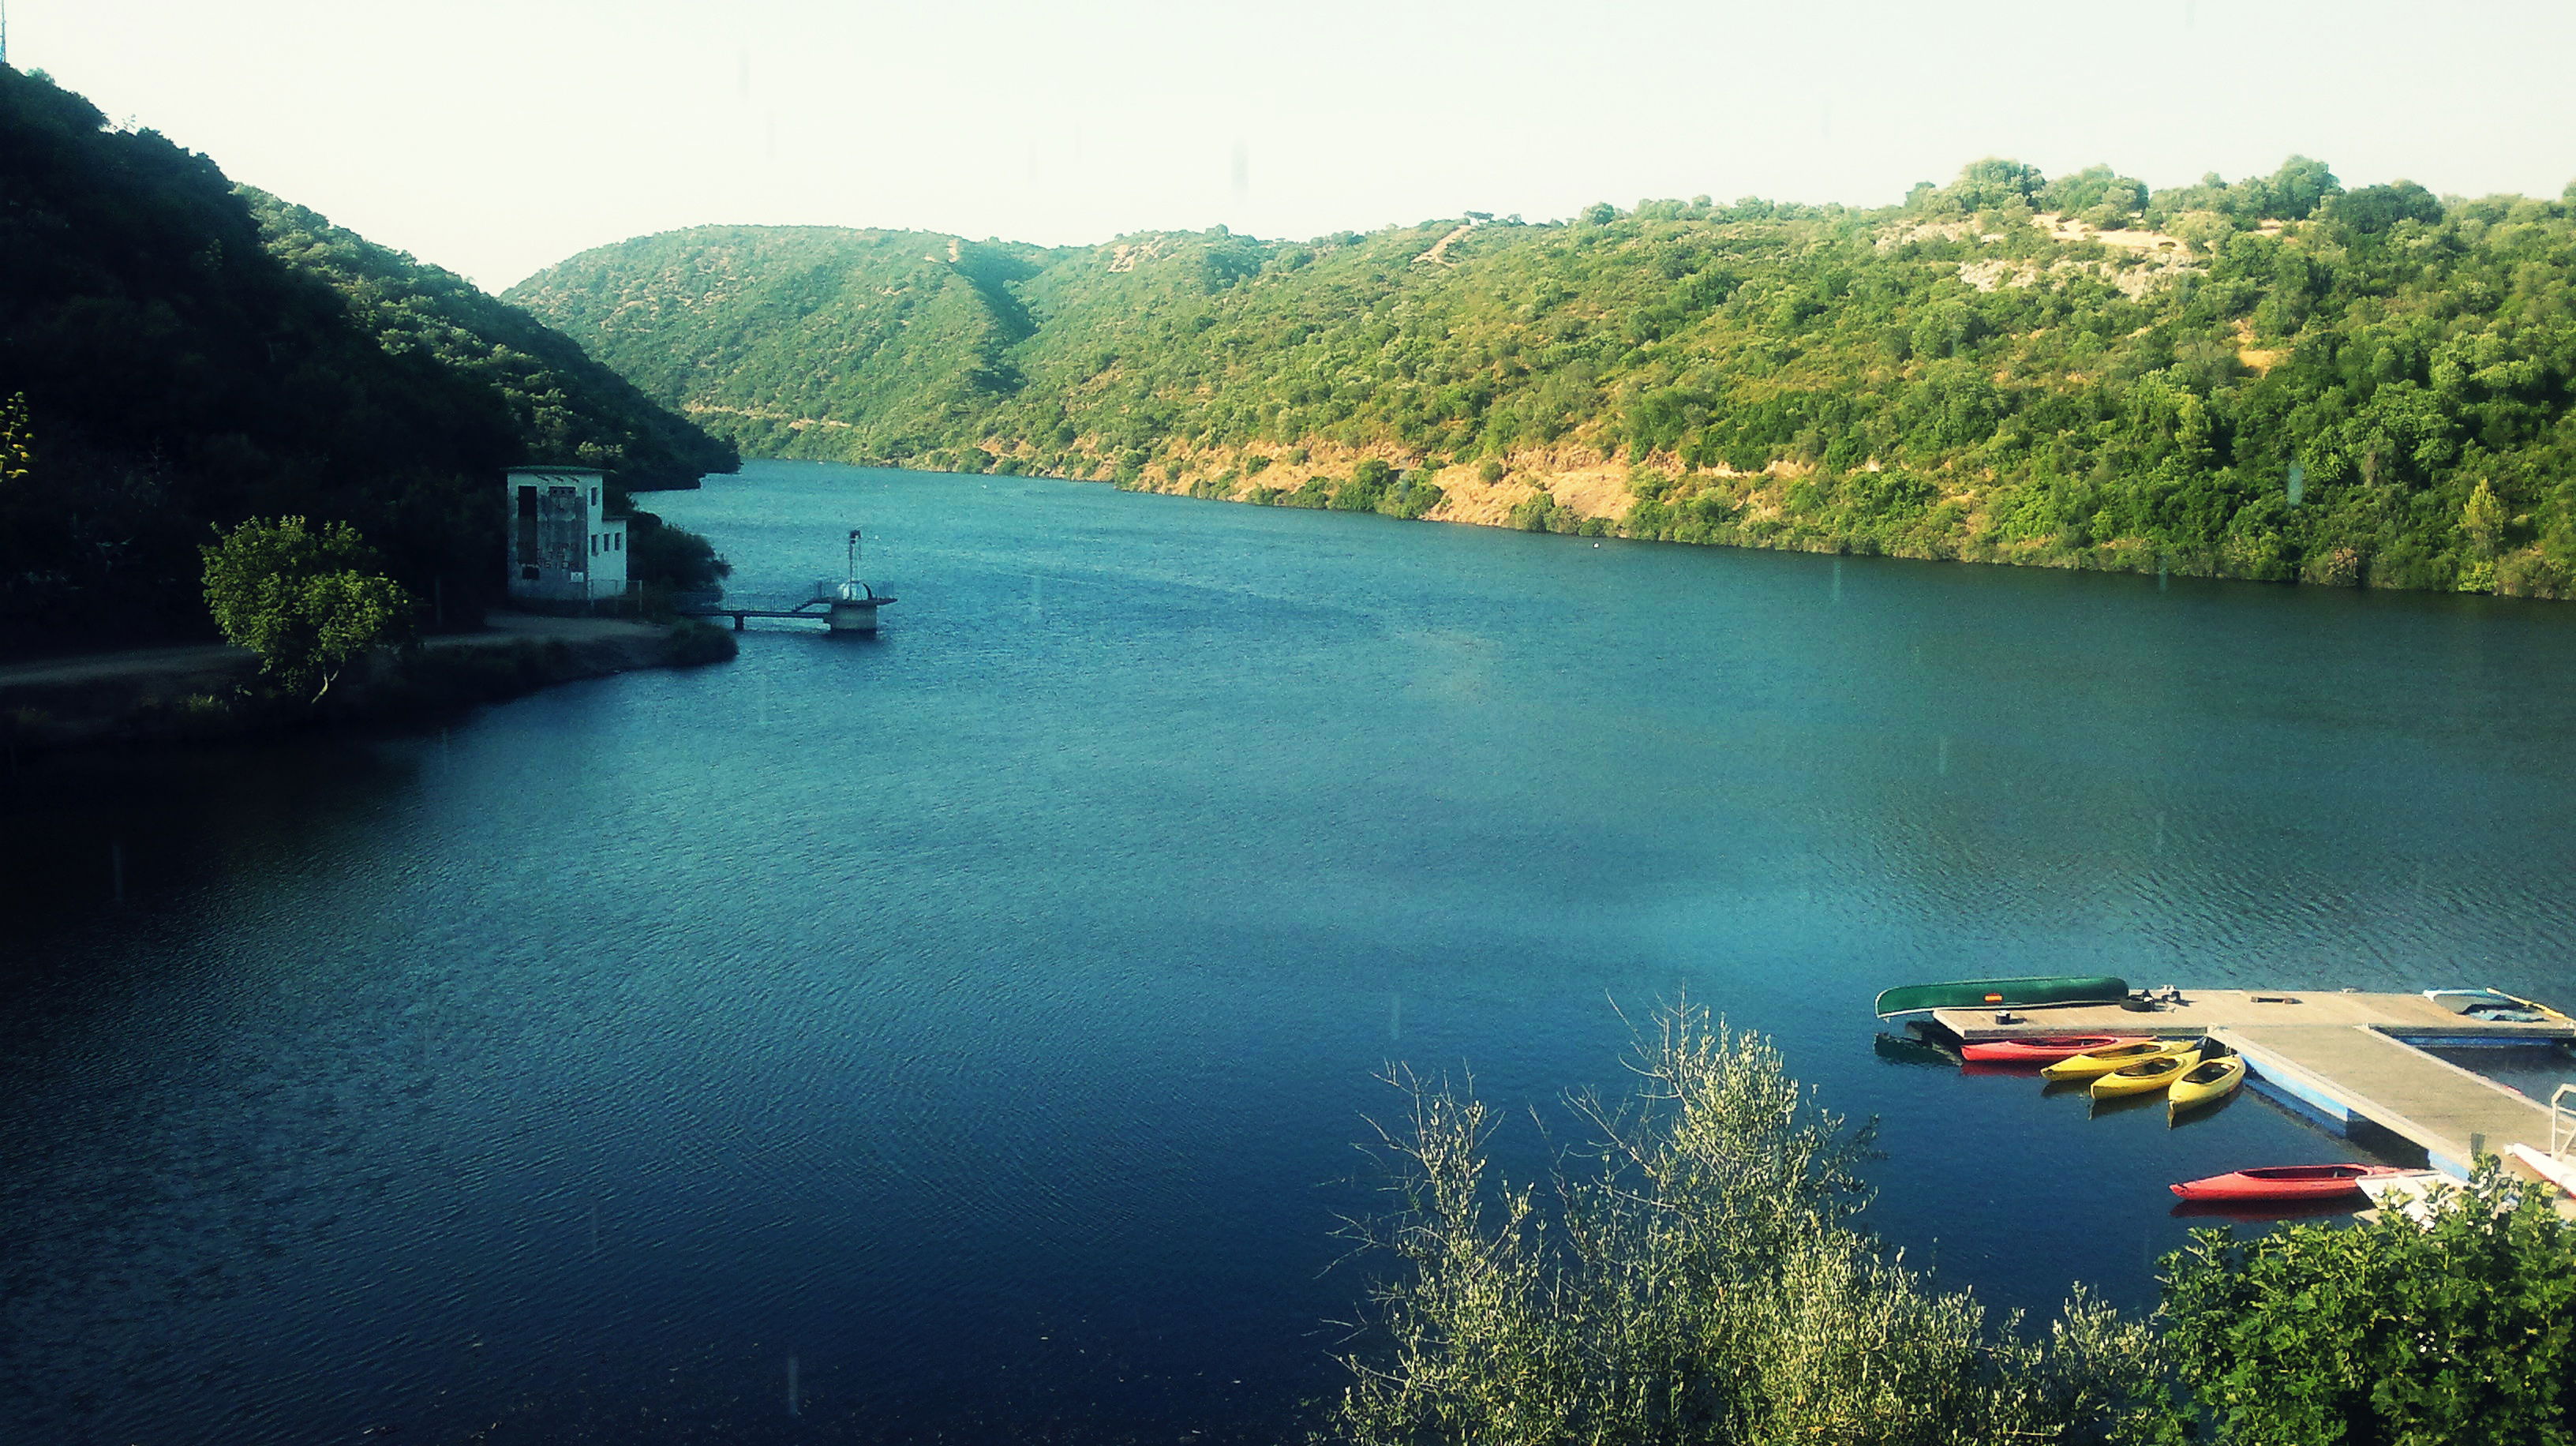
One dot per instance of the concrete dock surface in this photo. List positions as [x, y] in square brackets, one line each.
[2407, 1016]
[2341, 1055]
[2453, 1113]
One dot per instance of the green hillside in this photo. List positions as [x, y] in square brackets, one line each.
[167, 364]
[563, 406]
[2077, 372]
[868, 338]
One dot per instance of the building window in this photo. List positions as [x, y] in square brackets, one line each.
[594, 497]
[618, 539]
[594, 544]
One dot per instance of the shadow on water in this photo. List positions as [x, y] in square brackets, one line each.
[2103, 1109]
[2253, 1212]
[89, 835]
[2201, 1114]
[1916, 1051]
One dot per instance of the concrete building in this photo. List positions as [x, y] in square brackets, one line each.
[564, 547]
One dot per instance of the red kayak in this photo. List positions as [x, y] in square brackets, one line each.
[2284, 1182]
[2043, 1051]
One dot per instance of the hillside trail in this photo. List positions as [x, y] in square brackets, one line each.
[1438, 255]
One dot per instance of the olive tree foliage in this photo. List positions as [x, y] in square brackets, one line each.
[1694, 1274]
[304, 598]
[2385, 1332]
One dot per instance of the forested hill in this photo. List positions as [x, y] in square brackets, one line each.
[563, 406]
[166, 363]
[2275, 378]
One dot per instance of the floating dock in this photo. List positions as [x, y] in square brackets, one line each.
[2337, 1056]
[2404, 1016]
[2453, 1113]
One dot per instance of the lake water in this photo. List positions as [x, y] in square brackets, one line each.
[977, 1023]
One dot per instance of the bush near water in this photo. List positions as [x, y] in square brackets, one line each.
[2077, 372]
[1695, 1271]
[2384, 1331]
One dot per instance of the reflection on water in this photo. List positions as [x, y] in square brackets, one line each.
[981, 1017]
[2204, 1114]
[89, 834]
[1923, 1050]
[2264, 1212]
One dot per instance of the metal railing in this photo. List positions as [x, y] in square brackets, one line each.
[2562, 1122]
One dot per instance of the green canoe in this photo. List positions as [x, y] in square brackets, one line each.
[2004, 993]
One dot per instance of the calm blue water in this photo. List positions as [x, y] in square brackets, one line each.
[983, 1017]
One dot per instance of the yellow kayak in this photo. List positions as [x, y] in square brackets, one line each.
[2148, 1077]
[2086, 1066]
[2211, 1079]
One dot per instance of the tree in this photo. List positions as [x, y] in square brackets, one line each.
[1365, 489]
[1698, 1280]
[303, 599]
[1992, 182]
[2483, 520]
[1411, 495]
[2092, 187]
[2387, 1331]
[660, 555]
[2373, 209]
[2297, 189]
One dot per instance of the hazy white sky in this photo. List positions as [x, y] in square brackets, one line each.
[498, 136]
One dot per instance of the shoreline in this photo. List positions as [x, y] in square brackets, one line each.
[206, 693]
[1578, 492]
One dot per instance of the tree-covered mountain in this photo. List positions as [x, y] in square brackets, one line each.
[760, 332]
[2272, 378]
[564, 407]
[176, 371]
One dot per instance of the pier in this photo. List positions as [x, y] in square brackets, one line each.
[843, 615]
[2336, 1057]
[846, 608]
[2453, 1113]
